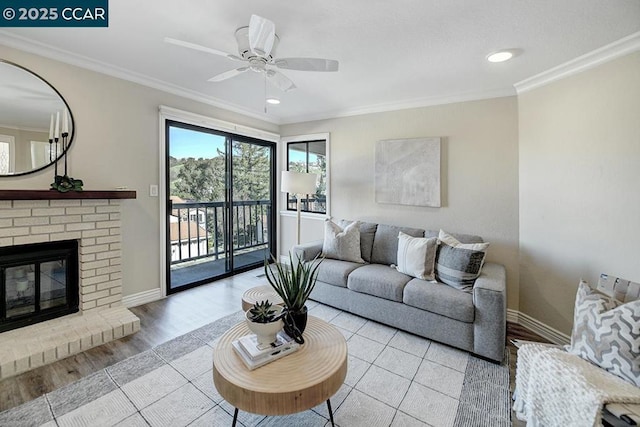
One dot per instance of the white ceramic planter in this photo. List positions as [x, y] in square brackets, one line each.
[266, 332]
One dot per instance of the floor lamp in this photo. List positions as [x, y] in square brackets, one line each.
[300, 184]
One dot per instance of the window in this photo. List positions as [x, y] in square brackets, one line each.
[309, 156]
[43, 153]
[7, 154]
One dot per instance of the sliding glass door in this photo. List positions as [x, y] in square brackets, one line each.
[220, 190]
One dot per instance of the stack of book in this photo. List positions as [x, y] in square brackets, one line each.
[255, 355]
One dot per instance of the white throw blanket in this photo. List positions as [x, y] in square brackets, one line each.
[555, 388]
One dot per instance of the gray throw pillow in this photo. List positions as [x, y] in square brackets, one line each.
[605, 332]
[459, 264]
[342, 244]
[367, 234]
[416, 256]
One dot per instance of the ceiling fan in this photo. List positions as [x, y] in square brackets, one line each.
[257, 45]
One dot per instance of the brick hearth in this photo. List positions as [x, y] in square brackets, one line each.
[97, 227]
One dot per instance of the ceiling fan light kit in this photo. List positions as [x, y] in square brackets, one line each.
[257, 45]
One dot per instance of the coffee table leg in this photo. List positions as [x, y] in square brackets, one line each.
[235, 418]
[330, 412]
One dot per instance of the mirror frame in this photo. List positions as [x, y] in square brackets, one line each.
[73, 123]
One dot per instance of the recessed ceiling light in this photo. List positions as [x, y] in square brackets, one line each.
[273, 101]
[500, 56]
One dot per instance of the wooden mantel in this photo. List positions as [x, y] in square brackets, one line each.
[56, 195]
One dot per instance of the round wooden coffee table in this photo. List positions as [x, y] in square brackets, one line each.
[259, 293]
[294, 383]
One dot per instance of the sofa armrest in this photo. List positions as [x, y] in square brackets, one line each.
[490, 301]
[307, 251]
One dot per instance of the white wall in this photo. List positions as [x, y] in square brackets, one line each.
[117, 144]
[479, 169]
[579, 186]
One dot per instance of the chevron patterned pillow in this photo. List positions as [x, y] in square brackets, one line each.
[607, 332]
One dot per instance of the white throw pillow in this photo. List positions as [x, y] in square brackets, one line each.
[342, 244]
[417, 256]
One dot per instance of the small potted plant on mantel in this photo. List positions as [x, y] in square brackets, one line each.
[265, 320]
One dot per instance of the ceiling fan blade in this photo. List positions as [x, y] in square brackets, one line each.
[281, 81]
[228, 74]
[201, 48]
[307, 64]
[262, 35]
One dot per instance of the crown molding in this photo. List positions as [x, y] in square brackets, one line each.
[604, 54]
[402, 105]
[48, 51]
[200, 120]
[614, 50]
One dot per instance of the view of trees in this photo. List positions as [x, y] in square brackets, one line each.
[201, 183]
[203, 180]
[299, 152]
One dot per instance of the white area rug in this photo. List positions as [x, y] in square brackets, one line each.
[393, 379]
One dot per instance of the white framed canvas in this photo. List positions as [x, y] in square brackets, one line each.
[407, 172]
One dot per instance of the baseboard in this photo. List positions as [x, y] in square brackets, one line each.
[512, 315]
[536, 326]
[142, 298]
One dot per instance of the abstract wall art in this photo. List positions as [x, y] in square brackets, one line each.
[407, 172]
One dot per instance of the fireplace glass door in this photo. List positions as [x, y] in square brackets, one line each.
[21, 287]
[38, 283]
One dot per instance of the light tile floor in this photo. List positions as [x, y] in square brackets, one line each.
[393, 379]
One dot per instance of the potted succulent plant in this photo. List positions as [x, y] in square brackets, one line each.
[293, 283]
[264, 320]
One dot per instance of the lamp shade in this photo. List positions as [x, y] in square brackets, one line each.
[298, 182]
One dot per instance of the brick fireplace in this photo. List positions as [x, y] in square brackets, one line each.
[94, 222]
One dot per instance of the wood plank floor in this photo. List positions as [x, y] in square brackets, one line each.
[161, 321]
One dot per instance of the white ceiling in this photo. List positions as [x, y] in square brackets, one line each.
[392, 54]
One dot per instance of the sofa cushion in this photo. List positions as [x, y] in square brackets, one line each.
[342, 243]
[378, 280]
[385, 242]
[459, 264]
[440, 299]
[417, 256]
[335, 272]
[367, 233]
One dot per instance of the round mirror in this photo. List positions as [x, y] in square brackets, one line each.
[29, 110]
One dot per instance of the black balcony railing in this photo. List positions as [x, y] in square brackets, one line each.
[198, 229]
[310, 204]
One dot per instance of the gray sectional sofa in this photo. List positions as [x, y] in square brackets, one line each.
[475, 322]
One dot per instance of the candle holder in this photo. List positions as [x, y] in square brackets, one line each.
[64, 183]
